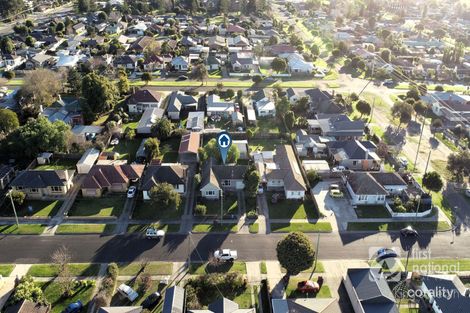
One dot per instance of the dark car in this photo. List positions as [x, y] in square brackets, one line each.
[152, 300]
[389, 83]
[385, 253]
[182, 77]
[409, 231]
[74, 307]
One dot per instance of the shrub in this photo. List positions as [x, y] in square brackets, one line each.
[9, 75]
[113, 270]
[18, 197]
[200, 210]
[257, 79]
[252, 215]
[27, 290]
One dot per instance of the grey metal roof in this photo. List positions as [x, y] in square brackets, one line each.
[458, 302]
[175, 300]
[37, 179]
[340, 124]
[223, 305]
[364, 184]
[212, 173]
[172, 174]
[354, 149]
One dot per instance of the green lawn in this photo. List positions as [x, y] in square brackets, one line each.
[59, 303]
[291, 209]
[394, 226]
[450, 144]
[438, 265]
[23, 229]
[254, 228]
[321, 227]
[58, 164]
[76, 269]
[319, 268]
[372, 211]
[102, 207]
[230, 205]
[265, 144]
[141, 228]
[39, 208]
[291, 291]
[206, 228]
[262, 267]
[152, 268]
[268, 126]
[126, 149]
[224, 267]
[146, 210]
[244, 299]
[105, 229]
[6, 269]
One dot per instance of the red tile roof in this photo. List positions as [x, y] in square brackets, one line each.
[190, 143]
[102, 176]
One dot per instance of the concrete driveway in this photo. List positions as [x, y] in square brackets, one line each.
[338, 210]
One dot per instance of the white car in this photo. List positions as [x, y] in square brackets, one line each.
[114, 142]
[338, 169]
[226, 255]
[154, 233]
[128, 292]
[260, 190]
[131, 192]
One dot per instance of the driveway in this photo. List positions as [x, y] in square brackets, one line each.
[337, 210]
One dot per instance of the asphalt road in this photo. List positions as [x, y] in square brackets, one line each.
[177, 247]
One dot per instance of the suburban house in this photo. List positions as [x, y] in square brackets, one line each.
[322, 102]
[293, 95]
[370, 188]
[340, 126]
[453, 107]
[83, 133]
[180, 63]
[6, 175]
[189, 145]
[369, 292]
[120, 309]
[243, 62]
[354, 154]
[216, 42]
[282, 173]
[173, 174]
[265, 108]
[260, 95]
[175, 300]
[309, 144]
[45, 184]
[148, 119]
[88, 159]
[216, 178]
[195, 121]
[179, 101]
[110, 178]
[297, 64]
[142, 99]
[217, 106]
[304, 305]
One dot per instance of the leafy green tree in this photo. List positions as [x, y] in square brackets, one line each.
[8, 121]
[257, 79]
[459, 164]
[200, 210]
[211, 149]
[123, 83]
[313, 178]
[251, 180]
[83, 6]
[279, 64]
[11, 7]
[200, 73]
[433, 181]
[30, 41]
[165, 197]
[301, 106]
[230, 93]
[9, 75]
[282, 106]
[420, 107]
[162, 128]
[289, 119]
[6, 45]
[403, 111]
[27, 289]
[386, 55]
[18, 197]
[146, 77]
[74, 82]
[100, 93]
[152, 148]
[363, 107]
[295, 253]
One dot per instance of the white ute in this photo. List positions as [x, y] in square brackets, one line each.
[128, 292]
[154, 233]
[226, 255]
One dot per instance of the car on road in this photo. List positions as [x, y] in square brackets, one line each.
[226, 255]
[151, 233]
[409, 231]
[182, 77]
[385, 253]
[74, 307]
[127, 292]
[338, 169]
[308, 286]
[131, 192]
[152, 300]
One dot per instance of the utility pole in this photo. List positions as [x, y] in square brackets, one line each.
[14, 208]
[420, 137]
[221, 204]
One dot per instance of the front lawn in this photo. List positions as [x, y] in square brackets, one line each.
[206, 228]
[126, 149]
[371, 211]
[230, 205]
[394, 226]
[291, 209]
[22, 229]
[102, 207]
[58, 164]
[152, 268]
[105, 229]
[222, 267]
[36, 208]
[146, 210]
[6, 269]
[320, 227]
[141, 228]
[254, 228]
[291, 291]
[59, 303]
[76, 269]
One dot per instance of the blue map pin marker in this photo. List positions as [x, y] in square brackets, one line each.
[224, 141]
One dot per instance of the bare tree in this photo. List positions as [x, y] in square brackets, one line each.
[61, 258]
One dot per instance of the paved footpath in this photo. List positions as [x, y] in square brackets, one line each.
[19, 271]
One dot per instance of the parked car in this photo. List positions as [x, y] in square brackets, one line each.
[260, 190]
[467, 193]
[182, 77]
[114, 142]
[385, 253]
[307, 286]
[336, 193]
[152, 300]
[226, 255]
[131, 192]
[389, 83]
[409, 231]
[154, 233]
[338, 169]
[74, 307]
[127, 292]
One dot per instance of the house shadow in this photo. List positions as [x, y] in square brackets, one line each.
[203, 249]
[112, 250]
[172, 241]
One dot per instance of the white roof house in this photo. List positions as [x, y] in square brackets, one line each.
[215, 105]
[195, 121]
[148, 119]
[265, 107]
[297, 64]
